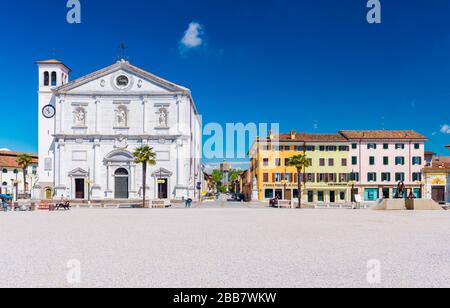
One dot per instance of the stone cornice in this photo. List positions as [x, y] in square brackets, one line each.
[120, 95]
[113, 137]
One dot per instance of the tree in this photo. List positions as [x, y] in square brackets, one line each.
[146, 156]
[24, 161]
[234, 175]
[217, 177]
[300, 162]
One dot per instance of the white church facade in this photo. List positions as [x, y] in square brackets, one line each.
[90, 127]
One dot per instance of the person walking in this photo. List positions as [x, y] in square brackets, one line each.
[188, 203]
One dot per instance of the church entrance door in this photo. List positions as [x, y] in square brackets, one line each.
[121, 184]
[163, 189]
[79, 188]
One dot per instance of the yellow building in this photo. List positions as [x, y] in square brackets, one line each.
[327, 178]
[437, 180]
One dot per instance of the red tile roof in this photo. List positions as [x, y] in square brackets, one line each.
[303, 137]
[53, 61]
[441, 163]
[9, 159]
[382, 134]
[348, 135]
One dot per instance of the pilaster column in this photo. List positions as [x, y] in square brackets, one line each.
[60, 116]
[133, 178]
[144, 115]
[178, 113]
[62, 165]
[57, 160]
[97, 162]
[107, 177]
[97, 115]
[180, 163]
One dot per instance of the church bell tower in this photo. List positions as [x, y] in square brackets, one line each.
[52, 74]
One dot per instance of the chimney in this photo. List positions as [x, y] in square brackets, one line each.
[293, 135]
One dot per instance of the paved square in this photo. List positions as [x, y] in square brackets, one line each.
[225, 247]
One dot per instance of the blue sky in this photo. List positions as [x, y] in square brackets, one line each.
[314, 66]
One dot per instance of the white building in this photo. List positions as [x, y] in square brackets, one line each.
[11, 175]
[89, 128]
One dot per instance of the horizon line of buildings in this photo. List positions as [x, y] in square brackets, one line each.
[364, 163]
[369, 163]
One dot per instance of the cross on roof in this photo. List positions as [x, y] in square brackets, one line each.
[123, 48]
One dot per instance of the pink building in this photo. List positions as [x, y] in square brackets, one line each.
[379, 160]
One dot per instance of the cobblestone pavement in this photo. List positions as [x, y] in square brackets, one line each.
[225, 244]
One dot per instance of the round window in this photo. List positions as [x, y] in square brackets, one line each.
[122, 81]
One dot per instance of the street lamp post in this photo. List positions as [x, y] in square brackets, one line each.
[33, 177]
[160, 182]
[89, 182]
[352, 191]
[15, 184]
[421, 184]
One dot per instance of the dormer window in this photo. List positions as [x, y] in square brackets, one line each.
[46, 79]
[53, 79]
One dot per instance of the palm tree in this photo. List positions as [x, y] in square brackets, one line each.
[300, 162]
[145, 156]
[24, 161]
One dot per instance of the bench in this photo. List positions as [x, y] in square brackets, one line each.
[284, 204]
[159, 204]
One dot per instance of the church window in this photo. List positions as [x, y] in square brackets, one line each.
[121, 172]
[46, 79]
[53, 79]
[122, 81]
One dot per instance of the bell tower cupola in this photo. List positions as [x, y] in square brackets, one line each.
[52, 74]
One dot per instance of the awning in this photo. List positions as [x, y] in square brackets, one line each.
[5, 197]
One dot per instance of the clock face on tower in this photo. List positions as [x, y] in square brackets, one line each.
[48, 111]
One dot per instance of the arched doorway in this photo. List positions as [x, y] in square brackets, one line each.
[48, 193]
[121, 190]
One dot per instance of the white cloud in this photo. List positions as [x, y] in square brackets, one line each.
[193, 37]
[445, 129]
[5, 150]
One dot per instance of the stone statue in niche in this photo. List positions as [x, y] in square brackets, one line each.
[121, 116]
[163, 118]
[80, 117]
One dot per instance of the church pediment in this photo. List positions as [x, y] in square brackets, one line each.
[162, 173]
[121, 77]
[78, 172]
[119, 156]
